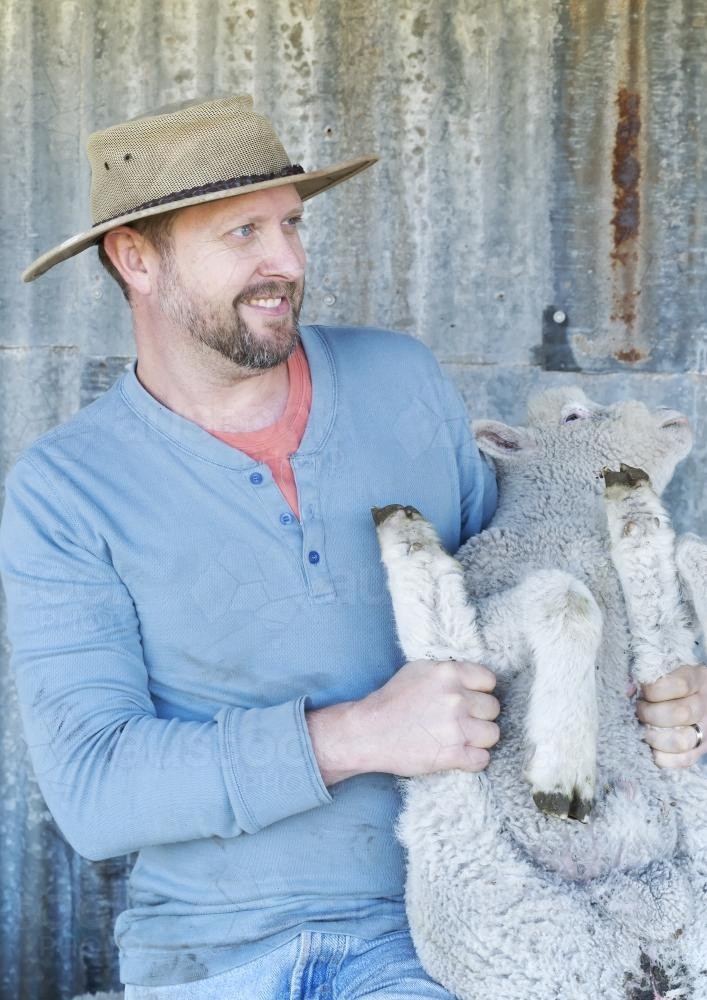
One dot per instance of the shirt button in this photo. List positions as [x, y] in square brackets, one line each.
[256, 478]
[285, 518]
[313, 557]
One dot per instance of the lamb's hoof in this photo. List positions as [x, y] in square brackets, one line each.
[655, 982]
[627, 476]
[381, 514]
[561, 805]
[580, 809]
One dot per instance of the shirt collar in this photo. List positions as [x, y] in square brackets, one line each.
[189, 437]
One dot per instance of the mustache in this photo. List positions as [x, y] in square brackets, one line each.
[268, 290]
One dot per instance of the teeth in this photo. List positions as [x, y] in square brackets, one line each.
[266, 303]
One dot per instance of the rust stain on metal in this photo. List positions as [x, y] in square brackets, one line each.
[630, 356]
[625, 303]
[626, 171]
[626, 221]
[629, 259]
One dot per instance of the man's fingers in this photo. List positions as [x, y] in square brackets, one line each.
[464, 726]
[676, 740]
[482, 706]
[479, 732]
[463, 758]
[475, 676]
[675, 761]
[678, 683]
[669, 714]
[670, 710]
[476, 759]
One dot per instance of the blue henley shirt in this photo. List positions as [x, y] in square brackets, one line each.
[171, 621]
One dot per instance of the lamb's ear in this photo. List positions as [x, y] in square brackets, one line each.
[501, 441]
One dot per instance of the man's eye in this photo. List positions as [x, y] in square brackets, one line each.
[294, 221]
[243, 231]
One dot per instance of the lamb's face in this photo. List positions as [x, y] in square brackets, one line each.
[654, 440]
[566, 428]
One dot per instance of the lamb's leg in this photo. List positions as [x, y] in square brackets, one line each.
[642, 550]
[553, 621]
[433, 617]
[691, 561]
[550, 616]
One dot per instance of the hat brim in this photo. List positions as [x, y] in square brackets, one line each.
[307, 185]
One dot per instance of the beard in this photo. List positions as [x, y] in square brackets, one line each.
[223, 330]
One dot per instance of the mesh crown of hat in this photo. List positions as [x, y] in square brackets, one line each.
[156, 156]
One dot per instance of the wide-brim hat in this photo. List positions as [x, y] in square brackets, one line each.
[198, 153]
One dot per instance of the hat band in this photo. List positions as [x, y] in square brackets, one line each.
[232, 182]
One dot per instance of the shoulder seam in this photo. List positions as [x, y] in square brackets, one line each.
[61, 503]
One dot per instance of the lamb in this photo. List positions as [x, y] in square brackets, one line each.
[575, 578]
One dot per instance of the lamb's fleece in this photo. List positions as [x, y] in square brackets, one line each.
[100, 996]
[505, 900]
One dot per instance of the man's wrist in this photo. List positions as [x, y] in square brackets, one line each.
[339, 741]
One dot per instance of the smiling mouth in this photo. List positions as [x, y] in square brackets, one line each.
[272, 306]
[265, 303]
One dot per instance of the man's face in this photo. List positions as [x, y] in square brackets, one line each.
[233, 279]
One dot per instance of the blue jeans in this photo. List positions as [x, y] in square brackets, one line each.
[315, 967]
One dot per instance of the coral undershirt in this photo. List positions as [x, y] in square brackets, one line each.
[274, 444]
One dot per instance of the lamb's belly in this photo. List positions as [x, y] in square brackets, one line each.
[633, 823]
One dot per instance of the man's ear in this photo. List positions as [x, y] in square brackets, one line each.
[132, 256]
[501, 441]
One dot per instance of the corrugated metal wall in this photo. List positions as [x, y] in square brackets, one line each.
[538, 216]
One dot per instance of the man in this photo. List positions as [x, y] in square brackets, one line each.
[203, 643]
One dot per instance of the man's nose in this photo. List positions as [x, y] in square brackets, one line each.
[282, 254]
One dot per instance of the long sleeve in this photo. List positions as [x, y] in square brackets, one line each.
[115, 776]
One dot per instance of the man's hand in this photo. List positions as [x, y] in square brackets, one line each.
[430, 716]
[670, 708]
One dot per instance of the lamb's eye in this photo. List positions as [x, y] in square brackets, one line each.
[574, 412]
